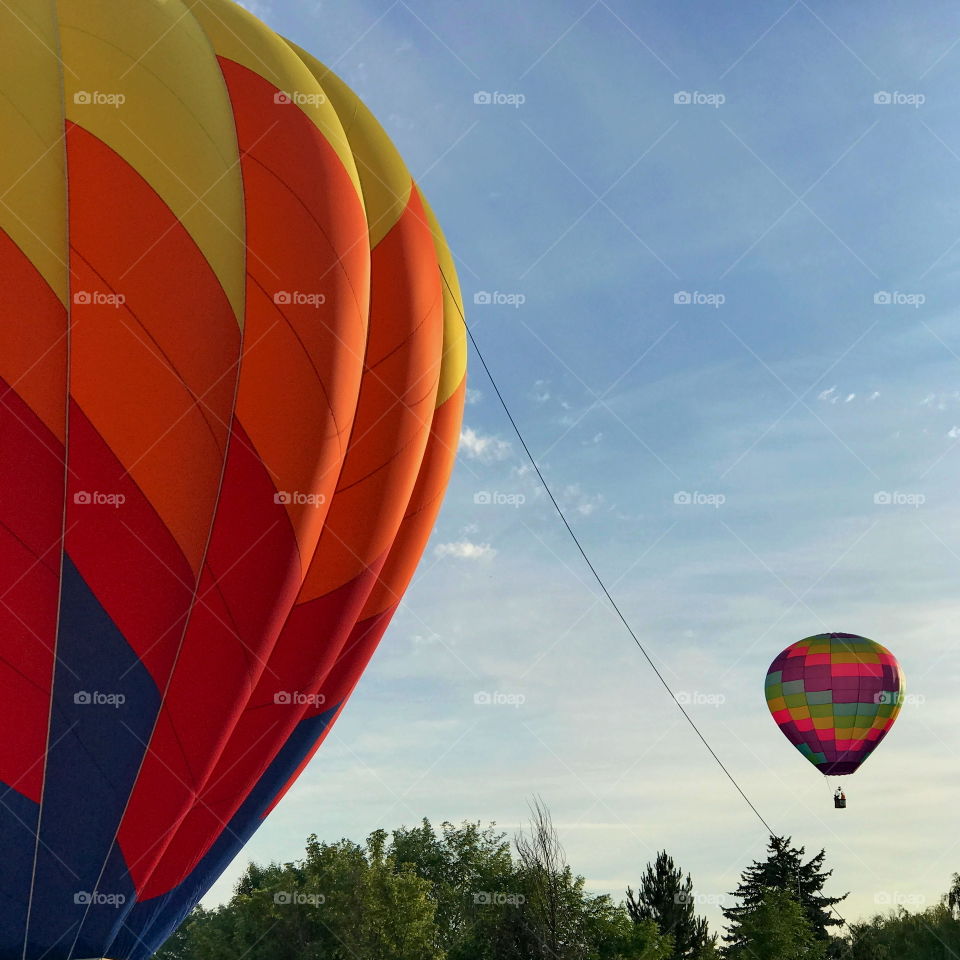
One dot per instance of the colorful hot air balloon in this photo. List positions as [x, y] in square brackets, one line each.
[835, 696]
[232, 367]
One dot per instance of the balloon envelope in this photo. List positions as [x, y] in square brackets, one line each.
[232, 371]
[835, 697]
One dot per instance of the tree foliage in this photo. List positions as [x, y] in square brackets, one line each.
[775, 927]
[457, 893]
[784, 869]
[666, 898]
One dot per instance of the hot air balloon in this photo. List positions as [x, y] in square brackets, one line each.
[232, 368]
[835, 697]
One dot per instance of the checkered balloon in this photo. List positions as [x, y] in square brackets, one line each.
[835, 696]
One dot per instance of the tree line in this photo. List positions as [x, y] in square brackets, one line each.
[469, 892]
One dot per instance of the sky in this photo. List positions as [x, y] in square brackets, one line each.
[711, 253]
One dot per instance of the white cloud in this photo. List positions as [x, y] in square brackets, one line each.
[541, 391]
[828, 396]
[850, 396]
[954, 433]
[473, 396]
[585, 504]
[426, 639]
[487, 449]
[465, 550]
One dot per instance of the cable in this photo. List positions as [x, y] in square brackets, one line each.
[599, 579]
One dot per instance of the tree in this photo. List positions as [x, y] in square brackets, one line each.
[785, 870]
[342, 902]
[775, 927]
[667, 898]
[933, 934]
[417, 893]
[615, 936]
[952, 897]
[472, 884]
[552, 894]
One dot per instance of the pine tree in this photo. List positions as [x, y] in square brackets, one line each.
[785, 870]
[666, 897]
[776, 929]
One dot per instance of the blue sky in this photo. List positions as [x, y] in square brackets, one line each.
[791, 401]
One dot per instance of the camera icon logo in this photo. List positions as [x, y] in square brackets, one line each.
[682, 96]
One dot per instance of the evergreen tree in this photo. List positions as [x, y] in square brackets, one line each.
[784, 869]
[775, 927]
[666, 898]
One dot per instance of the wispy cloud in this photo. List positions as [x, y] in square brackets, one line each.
[465, 550]
[483, 447]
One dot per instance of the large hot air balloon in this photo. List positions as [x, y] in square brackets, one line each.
[835, 696]
[232, 369]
